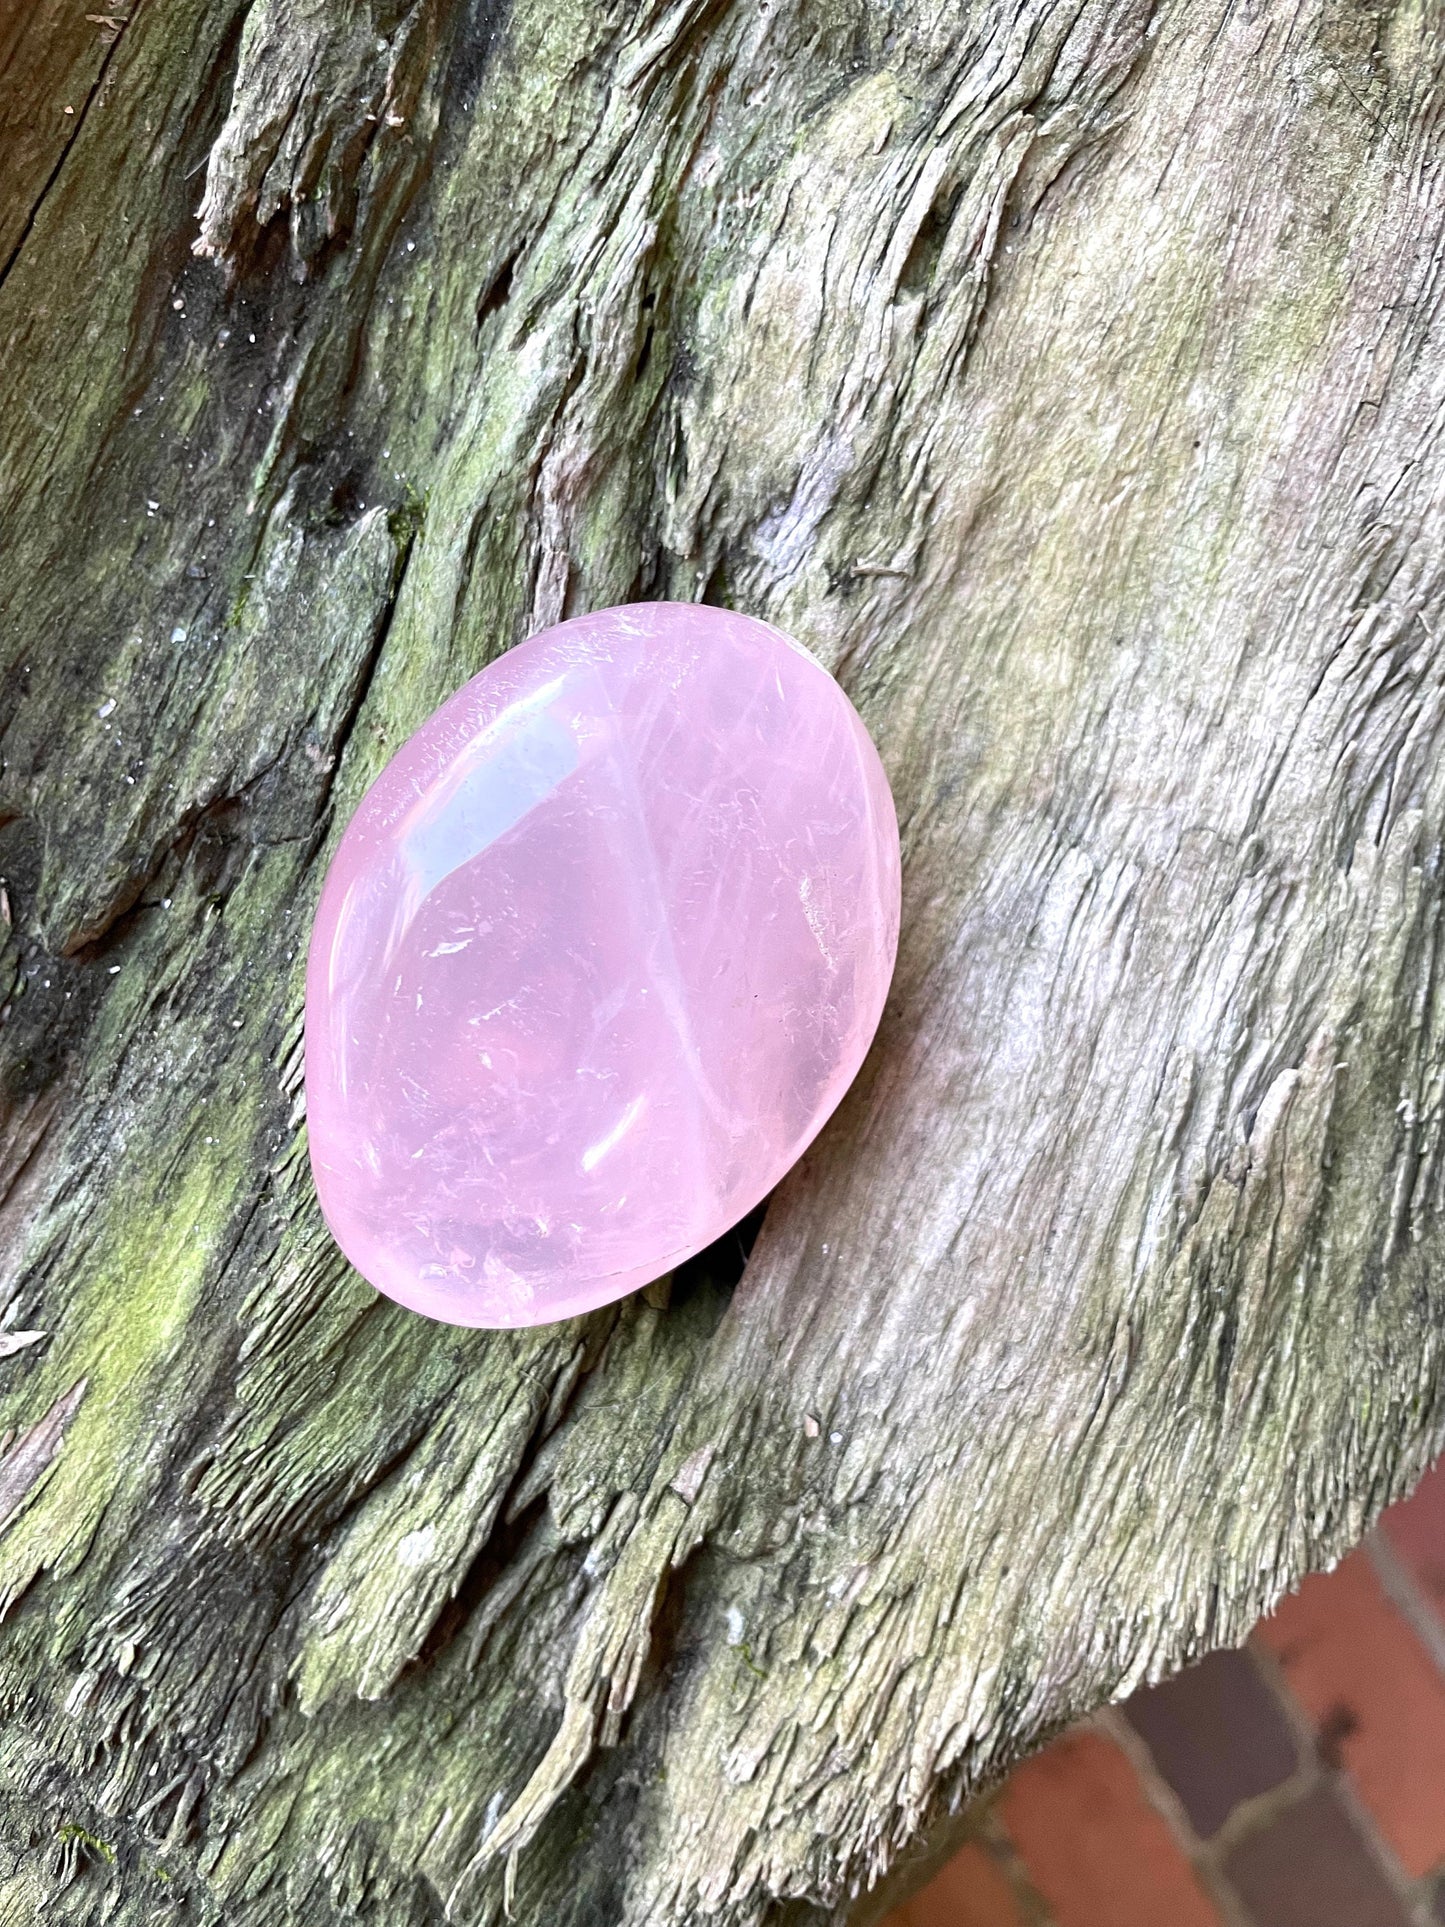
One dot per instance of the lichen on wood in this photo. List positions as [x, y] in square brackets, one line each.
[1068, 378]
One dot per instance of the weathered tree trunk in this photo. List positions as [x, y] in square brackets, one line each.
[1071, 378]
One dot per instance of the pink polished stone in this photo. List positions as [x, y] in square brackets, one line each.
[600, 951]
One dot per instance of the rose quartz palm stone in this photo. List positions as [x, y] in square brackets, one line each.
[600, 951]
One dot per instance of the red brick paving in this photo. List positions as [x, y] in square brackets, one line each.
[1375, 1700]
[1218, 1735]
[1299, 1782]
[1417, 1533]
[1096, 1850]
[1312, 1868]
[971, 1891]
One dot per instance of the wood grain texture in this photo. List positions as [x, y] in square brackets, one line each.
[1069, 377]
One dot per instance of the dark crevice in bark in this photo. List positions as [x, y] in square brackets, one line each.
[362, 687]
[921, 261]
[718, 591]
[721, 1265]
[498, 291]
[495, 1561]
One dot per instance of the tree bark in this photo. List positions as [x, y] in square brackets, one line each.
[1071, 379]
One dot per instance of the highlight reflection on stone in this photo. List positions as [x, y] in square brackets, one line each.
[601, 950]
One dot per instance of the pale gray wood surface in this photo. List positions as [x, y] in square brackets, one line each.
[1070, 379]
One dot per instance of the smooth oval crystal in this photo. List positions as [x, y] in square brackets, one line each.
[600, 951]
